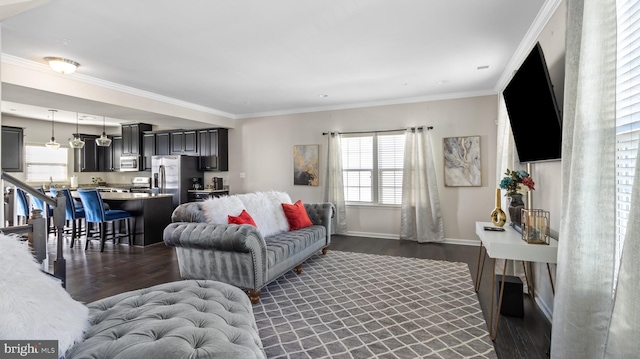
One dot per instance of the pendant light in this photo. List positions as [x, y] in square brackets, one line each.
[76, 142]
[52, 144]
[103, 140]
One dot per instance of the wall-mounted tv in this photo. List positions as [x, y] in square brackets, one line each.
[535, 119]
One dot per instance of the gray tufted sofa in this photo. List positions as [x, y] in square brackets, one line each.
[238, 254]
[185, 319]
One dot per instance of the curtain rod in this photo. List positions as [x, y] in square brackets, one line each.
[401, 129]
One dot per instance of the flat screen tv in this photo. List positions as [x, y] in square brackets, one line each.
[535, 119]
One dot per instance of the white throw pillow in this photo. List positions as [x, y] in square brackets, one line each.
[33, 305]
[216, 210]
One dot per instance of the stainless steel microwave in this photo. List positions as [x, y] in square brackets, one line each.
[129, 163]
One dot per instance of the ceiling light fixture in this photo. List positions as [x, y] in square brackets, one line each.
[76, 142]
[52, 144]
[103, 141]
[63, 66]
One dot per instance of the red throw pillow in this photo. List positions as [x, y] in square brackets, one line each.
[296, 215]
[243, 218]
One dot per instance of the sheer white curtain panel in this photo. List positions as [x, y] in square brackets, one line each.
[583, 301]
[334, 187]
[420, 218]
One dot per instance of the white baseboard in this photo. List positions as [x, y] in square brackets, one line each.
[544, 308]
[464, 242]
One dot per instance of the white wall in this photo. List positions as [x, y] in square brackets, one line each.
[262, 149]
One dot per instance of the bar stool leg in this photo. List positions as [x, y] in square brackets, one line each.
[129, 235]
[103, 235]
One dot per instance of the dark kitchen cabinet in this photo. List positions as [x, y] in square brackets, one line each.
[12, 149]
[116, 153]
[132, 138]
[94, 158]
[184, 143]
[86, 158]
[148, 150]
[163, 144]
[213, 149]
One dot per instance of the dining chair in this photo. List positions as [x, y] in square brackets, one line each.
[47, 211]
[96, 213]
[22, 206]
[74, 213]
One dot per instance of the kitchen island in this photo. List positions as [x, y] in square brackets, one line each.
[151, 213]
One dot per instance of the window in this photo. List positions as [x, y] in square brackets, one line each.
[45, 164]
[627, 112]
[364, 156]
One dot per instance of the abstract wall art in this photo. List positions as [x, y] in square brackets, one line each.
[306, 165]
[462, 161]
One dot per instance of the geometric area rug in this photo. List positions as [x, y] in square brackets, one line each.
[355, 305]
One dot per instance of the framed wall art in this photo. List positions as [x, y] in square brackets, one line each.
[306, 165]
[462, 161]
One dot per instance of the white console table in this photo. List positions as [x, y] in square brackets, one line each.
[508, 245]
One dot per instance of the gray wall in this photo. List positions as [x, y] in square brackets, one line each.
[262, 150]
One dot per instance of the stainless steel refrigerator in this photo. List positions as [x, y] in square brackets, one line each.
[173, 175]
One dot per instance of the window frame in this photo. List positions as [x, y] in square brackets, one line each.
[627, 115]
[61, 178]
[375, 170]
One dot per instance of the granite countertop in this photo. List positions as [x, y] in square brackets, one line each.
[124, 196]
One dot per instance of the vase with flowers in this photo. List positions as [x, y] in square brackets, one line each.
[517, 183]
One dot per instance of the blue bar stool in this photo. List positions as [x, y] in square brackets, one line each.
[23, 208]
[47, 211]
[96, 213]
[74, 213]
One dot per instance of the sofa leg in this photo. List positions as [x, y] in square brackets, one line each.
[325, 250]
[254, 296]
[299, 269]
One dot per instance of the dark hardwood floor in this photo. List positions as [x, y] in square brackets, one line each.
[92, 275]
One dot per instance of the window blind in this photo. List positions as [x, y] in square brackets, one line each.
[44, 164]
[372, 168]
[627, 112]
[390, 163]
[357, 165]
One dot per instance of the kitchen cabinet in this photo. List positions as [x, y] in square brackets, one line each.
[94, 158]
[86, 158]
[213, 149]
[132, 138]
[148, 150]
[12, 149]
[184, 143]
[116, 152]
[163, 144]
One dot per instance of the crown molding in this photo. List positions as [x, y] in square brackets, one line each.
[546, 12]
[400, 101]
[40, 67]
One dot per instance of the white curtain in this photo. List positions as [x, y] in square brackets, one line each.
[583, 302]
[334, 188]
[420, 211]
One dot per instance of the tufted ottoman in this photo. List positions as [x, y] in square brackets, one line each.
[184, 319]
